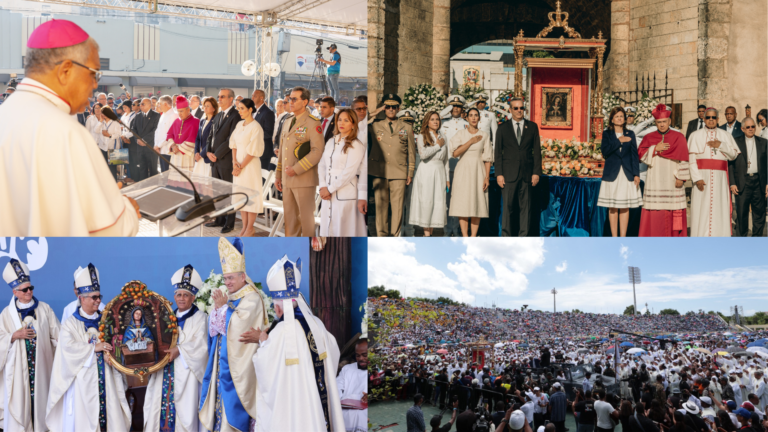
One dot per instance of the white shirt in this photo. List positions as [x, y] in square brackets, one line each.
[163, 126]
[764, 133]
[94, 127]
[751, 155]
[729, 128]
[127, 119]
[72, 307]
[113, 140]
[516, 124]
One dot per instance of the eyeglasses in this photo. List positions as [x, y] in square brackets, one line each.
[517, 108]
[294, 99]
[710, 118]
[27, 289]
[98, 74]
[96, 297]
[391, 107]
[750, 127]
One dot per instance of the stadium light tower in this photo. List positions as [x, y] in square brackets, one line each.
[554, 298]
[634, 278]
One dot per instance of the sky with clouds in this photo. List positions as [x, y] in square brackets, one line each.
[589, 274]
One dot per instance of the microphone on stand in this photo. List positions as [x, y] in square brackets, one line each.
[187, 211]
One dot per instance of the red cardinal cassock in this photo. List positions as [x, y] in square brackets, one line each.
[664, 204]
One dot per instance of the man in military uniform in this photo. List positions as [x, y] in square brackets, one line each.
[301, 147]
[408, 115]
[391, 165]
[452, 123]
[408, 229]
[487, 122]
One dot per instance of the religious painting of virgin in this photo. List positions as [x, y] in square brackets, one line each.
[556, 107]
[141, 327]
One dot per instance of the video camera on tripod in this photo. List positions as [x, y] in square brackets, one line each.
[319, 70]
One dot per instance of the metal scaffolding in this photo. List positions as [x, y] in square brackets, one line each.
[285, 16]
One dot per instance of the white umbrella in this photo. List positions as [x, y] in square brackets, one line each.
[762, 354]
[498, 345]
[757, 350]
[635, 350]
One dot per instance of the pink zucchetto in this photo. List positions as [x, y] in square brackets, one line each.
[181, 102]
[56, 34]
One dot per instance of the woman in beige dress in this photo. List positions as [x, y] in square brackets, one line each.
[247, 144]
[469, 198]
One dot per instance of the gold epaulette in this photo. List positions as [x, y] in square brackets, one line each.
[313, 117]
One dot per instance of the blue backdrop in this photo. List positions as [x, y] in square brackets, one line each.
[53, 261]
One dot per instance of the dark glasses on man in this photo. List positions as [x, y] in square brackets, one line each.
[711, 117]
[750, 127]
[517, 108]
[96, 297]
[392, 107]
[27, 289]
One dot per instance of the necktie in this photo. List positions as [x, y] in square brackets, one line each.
[324, 122]
[390, 128]
[701, 123]
[518, 133]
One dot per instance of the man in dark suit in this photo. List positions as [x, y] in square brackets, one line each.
[219, 152]
[327, 117]
[288, 114]
[517, 165]
[748, 177]
[83, 116]
[732, 126]
[194, 107]
[145, 124]
[696, 123]
[266, 119]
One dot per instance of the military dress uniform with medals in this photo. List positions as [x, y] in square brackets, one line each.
[449, 128]
[409, 117]
[391, 162]
[301, 147]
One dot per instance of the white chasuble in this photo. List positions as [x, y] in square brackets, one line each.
[18, 413]
[352, 383]
[54, 180]
[188, 372]
[73, 401]
[711, 208]
[287, 396]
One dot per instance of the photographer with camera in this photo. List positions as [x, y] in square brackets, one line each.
[435, 421]
[334, 68]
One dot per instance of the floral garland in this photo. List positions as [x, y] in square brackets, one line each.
[570, 157]
[421, 99]
[204, 299]
[645, 109]
[501, 105]
[609, 102]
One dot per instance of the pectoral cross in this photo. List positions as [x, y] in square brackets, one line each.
[181, 128]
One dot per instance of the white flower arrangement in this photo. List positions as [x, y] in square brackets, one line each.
[204, 299]
[609, 102]
[421, 99]
[364, 325]
[644, 109]
[566, 157]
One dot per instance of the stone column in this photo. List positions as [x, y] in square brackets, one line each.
[441, 45]
[619, 61]
[376, 51]
[712, 47]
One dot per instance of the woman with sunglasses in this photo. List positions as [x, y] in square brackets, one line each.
[469, 198]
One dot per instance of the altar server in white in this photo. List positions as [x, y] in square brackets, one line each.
[710, 149]
[29, 331]
[353, 386]
[86, 393]
[296, 363]
[53, 179]
[173, 395]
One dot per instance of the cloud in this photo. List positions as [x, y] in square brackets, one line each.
[624, 252]
[561, 268]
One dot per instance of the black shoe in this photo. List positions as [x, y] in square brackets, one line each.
[213, 224]
[227, 229]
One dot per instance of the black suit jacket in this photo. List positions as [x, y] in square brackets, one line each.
[512, 160]
[145, 126]
[737, 132]
[331, 127]
[266, 119]
[280, 130]
[693, 126]
[199, 113]
[218, 139]
[737, 168]
[82, 117]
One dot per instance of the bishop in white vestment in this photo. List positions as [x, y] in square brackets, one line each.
[296, 363]
[53, 178]
[29, 332]
[86, 393]
[173, 395]
[710, 149]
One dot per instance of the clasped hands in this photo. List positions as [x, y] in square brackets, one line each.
[254, 336]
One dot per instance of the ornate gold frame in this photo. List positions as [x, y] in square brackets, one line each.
[142, 372]
[569, 109]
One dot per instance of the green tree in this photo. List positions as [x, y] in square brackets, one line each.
[577, 311]
[393, 294]
[629, 310]
[376, 291]
[669, 312]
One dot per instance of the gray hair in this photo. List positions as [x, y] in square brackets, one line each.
[748, 118]
[194, 96]
[516, 99]
[166, 100]
[717, 113]
[100, 95]
[40, 61]
[230, 92]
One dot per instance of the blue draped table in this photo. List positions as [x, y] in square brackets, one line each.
[567, 207]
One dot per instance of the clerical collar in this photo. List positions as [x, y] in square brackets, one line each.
[180, 314]
[90, 317]
[21, 305]
[709, 128]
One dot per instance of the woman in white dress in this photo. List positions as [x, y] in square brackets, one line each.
[202, 163]
[469, 198]
[93, 123]
[620, 186]
[337, 171]
[431, 179]
[247, 144]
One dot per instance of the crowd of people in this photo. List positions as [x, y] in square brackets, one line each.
[676, 373]
[442, 175]
[313, 150]
[217, 372]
